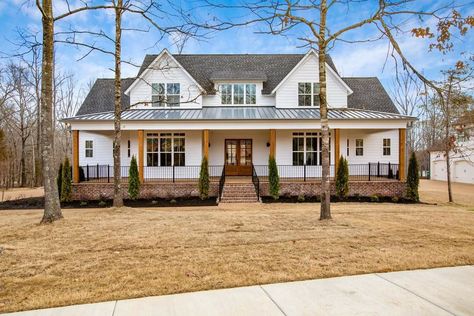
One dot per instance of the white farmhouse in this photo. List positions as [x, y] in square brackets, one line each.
[237, 111]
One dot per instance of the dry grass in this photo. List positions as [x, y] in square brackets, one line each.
[437, 192]
[97, 255]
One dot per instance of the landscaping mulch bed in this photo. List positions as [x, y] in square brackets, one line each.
[315, 199]
[38, 203]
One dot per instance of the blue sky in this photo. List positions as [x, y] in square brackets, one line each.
[361, 59]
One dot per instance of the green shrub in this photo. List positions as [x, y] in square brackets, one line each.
[413, 179]
[59, 179]
[83, 203]
[66, 184]
[102, 203]
[342, 179]
[173, 201]
[273, 178]
[374, 198]
[204, 179]
[133, 179]
[395, 199]
[301, 198]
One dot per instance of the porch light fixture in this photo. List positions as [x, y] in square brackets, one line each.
[268, 144]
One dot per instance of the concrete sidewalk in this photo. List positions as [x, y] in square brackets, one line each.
[443, 291]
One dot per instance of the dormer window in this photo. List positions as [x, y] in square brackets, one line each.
[238, 93]
[165, 94]
[308, 94]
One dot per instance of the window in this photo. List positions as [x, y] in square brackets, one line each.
[128, 148]
[347, 146]
[308, 94]
[166, 149]
[89, 148]
[386, 146]
[226, 94]
[307, 148]
[238, 93]
[165, 94]
[359, 147]
[250, 94]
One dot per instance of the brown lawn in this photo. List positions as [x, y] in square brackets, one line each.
[105, 254]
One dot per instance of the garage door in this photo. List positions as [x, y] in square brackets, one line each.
[463, 172]
[439, 170]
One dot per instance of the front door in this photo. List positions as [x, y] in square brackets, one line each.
[238, 157]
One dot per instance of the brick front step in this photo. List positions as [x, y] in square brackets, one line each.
[239, 193]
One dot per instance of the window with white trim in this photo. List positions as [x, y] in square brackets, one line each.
[347, 147]
[165, 149]
[238, 93]
[165, 94]
[89, 147]
[308, 94]
[307, 148]
[359, 147]
[386, 146]
[128, 148]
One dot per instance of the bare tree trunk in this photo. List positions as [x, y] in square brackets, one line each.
[323, 109]
[52, 207]
[447, 138]
[118, 199]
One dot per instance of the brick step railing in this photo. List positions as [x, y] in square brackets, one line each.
[239, 193]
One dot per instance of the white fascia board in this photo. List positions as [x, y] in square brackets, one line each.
[328, 68]
[240, 125]
[163, 52]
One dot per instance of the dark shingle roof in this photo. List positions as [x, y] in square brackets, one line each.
[101, 96]
[369, 94]
[202, 66]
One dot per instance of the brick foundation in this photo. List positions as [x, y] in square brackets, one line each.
[104, 191]
[362, 188]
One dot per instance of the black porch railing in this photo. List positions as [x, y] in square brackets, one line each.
[221, 184]
[256, 182]
[357, 172]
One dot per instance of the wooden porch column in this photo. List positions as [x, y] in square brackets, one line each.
[337, 148]
[140, 155]
[75, 156]
[401, 153]
[272, 143]
[205, 144]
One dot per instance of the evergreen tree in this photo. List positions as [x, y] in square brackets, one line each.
[413, 179]
[204, 179]
[59, 179]
[342, 178]
[273, 178]
[66, 185]
[133, 179]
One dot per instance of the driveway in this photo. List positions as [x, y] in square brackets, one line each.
[442, 291]
[434, 191]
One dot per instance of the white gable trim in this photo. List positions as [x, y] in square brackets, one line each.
[328, 68]
[163, 52]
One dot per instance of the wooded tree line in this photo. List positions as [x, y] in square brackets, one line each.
[20, 93]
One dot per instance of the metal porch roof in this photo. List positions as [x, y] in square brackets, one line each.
[239, 113]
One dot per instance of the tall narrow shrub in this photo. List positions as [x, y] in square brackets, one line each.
[342, 178]
[133, 179]
[273, 178]
[66, 186]
[204, 179]
[413, 179]
[59, 179]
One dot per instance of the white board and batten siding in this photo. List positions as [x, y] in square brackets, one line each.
[287, 93]
[165, 70]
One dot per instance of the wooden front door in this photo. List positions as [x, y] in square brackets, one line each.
[238, 157]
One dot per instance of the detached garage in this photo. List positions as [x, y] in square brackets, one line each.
[462, 168]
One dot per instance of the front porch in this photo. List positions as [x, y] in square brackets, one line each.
[169, 161]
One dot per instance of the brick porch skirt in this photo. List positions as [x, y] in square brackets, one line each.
[361, 188]
[104, 191]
